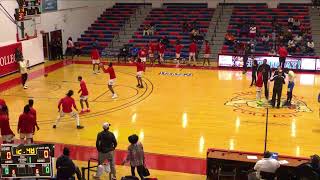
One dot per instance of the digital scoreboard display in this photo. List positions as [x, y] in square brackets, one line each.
[27, 161]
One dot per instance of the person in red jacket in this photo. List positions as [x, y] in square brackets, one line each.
[26, 125]
[178, 51]
[283, 53]
[84, 95]
[67, 103]
[192, 52]
[95, 57]
[140, 70]
[112, 79]
[207, 52]
[6, 132]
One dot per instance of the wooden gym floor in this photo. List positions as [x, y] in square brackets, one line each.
[179, 114]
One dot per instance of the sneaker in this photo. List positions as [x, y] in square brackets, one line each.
[80, 127]
[114, 96]
[138, 85]
[25, 87]
[141, 86]
[88, 110]
[98, 72]
[82, 112]
[54, 126]
[94, 72]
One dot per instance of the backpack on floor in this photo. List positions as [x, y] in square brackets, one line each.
[129, 178]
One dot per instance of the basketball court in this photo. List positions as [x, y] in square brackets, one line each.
[180, 113]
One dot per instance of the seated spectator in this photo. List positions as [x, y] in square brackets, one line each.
[252, 31]
[290, 22]
[265, 40]
[152, 29]
[296, 24]
[298, 39]
[229, 39]
[310, 46]
[287, 35]
[310, 170]
[291, 46]
[65, 167]
[252, 45]
[267, 165]
[146, 30]
[272, 52]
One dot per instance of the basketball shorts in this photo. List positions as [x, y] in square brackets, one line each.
[112, 82]
[84, 98]
[177, 55]
[139, 73]
[143, 59]
[95, 61]
[192, 54]
[206, 56]
[26, 135]
[7, 138]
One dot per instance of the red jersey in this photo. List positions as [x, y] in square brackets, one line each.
[111, 72]
[83, 88]
[140, 66]
[33, 113]
[178, 48]
[193, 48]
[207, 49]
[142, 53]
[95, 54]
[161, 48]
[259, 82]
[4, 125]
[282, 52]
[2, 102]
[26, 123]
[152, 48]
[67, 103]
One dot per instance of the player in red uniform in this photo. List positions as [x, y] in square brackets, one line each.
[2, 102]
[84, 95]
[207, 52]
[6, 132]
[67, 103]
[33, 112]
[143, 55]
[151, 52]
[140, 70]
[26, 125]
[161, 52]
[112, 79]
[95, 57]
[178, 51]
[192, 52]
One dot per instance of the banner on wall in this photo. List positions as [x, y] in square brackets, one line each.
[49, 5]
[8, 62]
[296, 63]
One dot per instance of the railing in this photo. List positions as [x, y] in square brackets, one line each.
[89, 169]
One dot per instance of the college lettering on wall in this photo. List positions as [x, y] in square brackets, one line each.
[8, 62]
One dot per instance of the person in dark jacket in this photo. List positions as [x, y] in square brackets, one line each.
[106, 144]
[65, 167]
[254, 72]
[266, 72]
[278, 79]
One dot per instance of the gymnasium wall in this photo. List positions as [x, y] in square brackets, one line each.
[8, 29]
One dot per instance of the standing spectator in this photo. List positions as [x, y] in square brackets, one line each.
[135, 156]
[65, 167]
[70, 48]
[254, 72]
[106, 144]
[267, 164]
[54, 49]
[266, 73]
[291, 46]
[24, 65]
[192, 52]
[283, 53]
[265, 40]
[278, 79]
[296, 24]
[290, 22]
[77, 49]
[146, 30]
[33, 112]
[310, 46]
[252, 31]
[207, 52]
[6, 132]
[152, 29]
[67, 103]
[26, 126]
[59, 49]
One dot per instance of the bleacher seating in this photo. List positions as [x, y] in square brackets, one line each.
[107, 26]
[262, 16]
[168, 22]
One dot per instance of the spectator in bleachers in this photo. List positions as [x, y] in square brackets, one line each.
[252, 44]
[296, 24]
[287, 35]
[291, 46]
[252, 31]
[298, 39]
[290, 22]
[230, 39]
[265, 40]
[310, 170]
[272, 52]
[152, 29]
[65, 166]
[267, 164]
[310, 46]
[146, 30]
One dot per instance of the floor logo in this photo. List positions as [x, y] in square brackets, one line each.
[245, 102]
[175, 74]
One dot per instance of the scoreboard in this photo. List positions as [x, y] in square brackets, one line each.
[27, 161]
